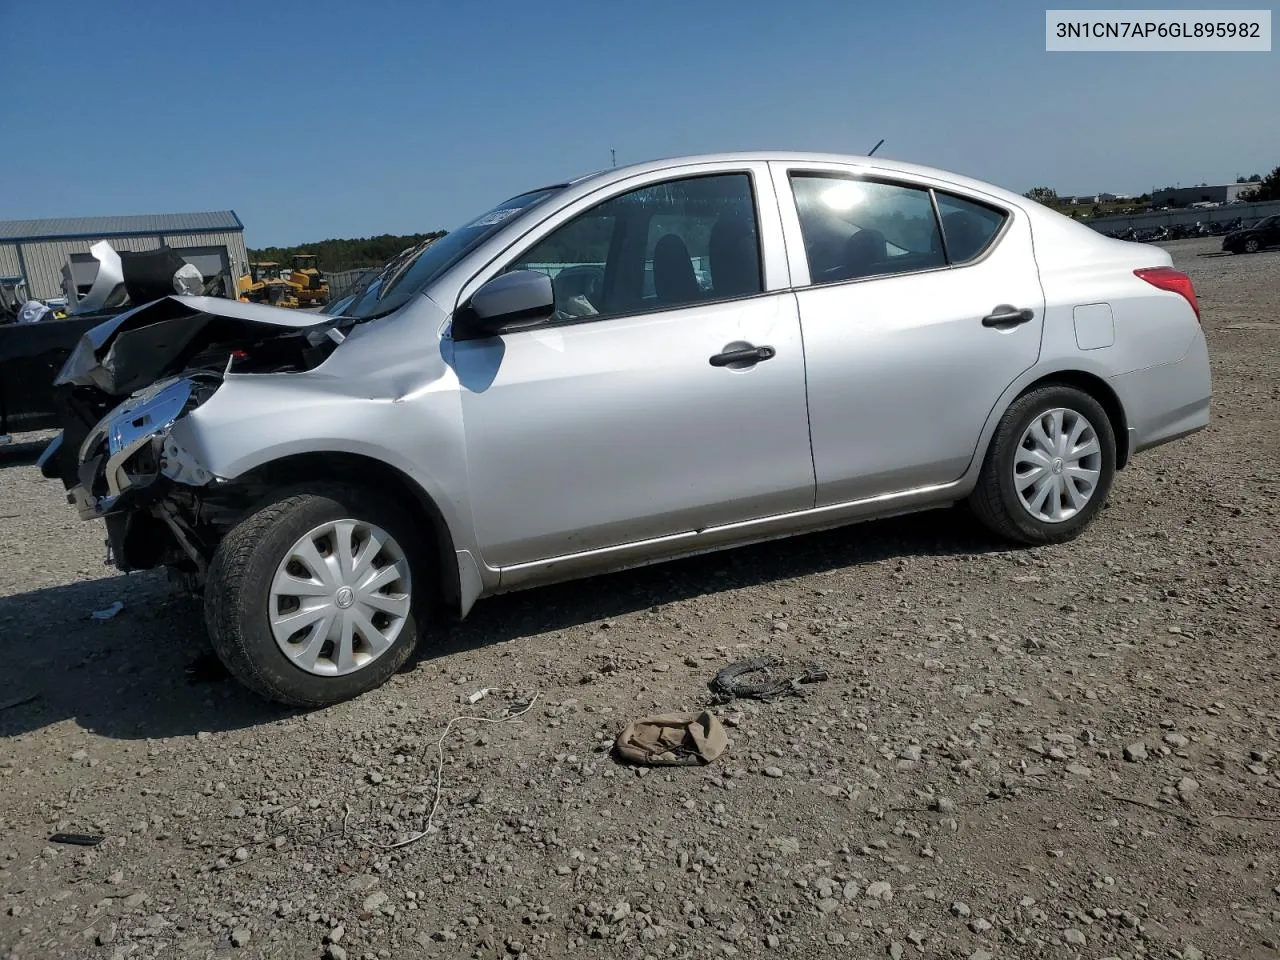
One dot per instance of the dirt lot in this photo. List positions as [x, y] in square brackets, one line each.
[1071, 751]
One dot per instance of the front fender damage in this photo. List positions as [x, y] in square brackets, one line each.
[129, 383]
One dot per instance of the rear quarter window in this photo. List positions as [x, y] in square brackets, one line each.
[968, 227]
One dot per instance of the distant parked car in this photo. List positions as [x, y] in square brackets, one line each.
[868, 338]
[1264, 233]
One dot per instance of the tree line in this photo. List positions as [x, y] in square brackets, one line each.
[1268, 187]
[351, 254]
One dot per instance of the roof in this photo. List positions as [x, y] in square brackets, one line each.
[867, 165]
[870, 165]
[67, 228]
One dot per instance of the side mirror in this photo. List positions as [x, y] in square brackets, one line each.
[510, 301]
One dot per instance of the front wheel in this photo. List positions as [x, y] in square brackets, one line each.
[1048, 469]
[316, 597]
[1252, 246]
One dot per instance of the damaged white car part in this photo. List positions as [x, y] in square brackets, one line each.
[108, 281]
[133, 437]
[132, 277]
[645, 363]
[187, 280]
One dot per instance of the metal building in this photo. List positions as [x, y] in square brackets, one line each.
[38, 249]
[1185, 196]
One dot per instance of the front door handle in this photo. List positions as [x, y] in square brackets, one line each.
[1007, 316]
[743, 356]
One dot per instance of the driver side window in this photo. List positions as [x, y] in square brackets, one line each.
[574, 257]
[660, 247]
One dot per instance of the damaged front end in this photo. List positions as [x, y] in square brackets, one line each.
[123, 388]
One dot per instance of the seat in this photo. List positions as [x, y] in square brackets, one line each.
[734, 257]
[674, 281]
[865, 254]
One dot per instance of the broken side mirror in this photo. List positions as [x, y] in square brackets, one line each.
[511, 301]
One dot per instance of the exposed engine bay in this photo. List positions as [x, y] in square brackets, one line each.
[125, 385]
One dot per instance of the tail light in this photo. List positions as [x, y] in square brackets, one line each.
[1175, 281]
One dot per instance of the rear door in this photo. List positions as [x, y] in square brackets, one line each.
[640, 412]
[919, 308]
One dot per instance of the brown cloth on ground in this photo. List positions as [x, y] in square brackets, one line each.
[672, 739]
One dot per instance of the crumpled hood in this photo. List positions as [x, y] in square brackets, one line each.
[134, 348]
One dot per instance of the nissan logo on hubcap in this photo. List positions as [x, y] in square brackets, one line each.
[344, 597]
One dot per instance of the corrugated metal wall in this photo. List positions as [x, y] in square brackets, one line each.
[237, 255]
[45, 259]
[342, 282]
[10, 266]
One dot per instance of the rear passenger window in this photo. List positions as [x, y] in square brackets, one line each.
[969, 227]
[862, 228]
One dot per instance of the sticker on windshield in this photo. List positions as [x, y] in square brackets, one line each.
[497, 216]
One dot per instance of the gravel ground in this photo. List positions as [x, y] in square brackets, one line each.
[1061, 752]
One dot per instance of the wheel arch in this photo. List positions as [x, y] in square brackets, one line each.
[360, 470]
[1083, 380]
[1101, 391]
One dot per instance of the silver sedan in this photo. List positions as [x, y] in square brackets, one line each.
[640, 364]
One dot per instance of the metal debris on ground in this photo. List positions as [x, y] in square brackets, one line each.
[672, 739]
[106, 613]
[730, 684]
[77, 839]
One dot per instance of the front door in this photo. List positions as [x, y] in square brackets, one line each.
[666, 395]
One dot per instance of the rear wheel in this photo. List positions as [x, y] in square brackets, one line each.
[1048, 469]
[316, 597]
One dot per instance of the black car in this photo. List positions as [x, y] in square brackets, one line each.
[1264, 233]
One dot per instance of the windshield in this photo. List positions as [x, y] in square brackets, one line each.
[416, 268]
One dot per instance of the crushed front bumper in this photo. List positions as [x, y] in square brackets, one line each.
[128, 452]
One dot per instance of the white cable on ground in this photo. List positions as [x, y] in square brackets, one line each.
[435, 804]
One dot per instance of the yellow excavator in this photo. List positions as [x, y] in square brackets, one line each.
[264, 283]
[312, 286]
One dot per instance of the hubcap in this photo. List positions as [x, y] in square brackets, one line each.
[1057, 465]
[340, 597]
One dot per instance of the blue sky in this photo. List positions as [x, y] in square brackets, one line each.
[325, 119]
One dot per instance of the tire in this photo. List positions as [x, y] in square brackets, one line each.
[996, 500]
[1252, 246]
[240, 595]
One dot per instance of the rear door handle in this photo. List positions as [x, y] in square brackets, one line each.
[743, 355]
[1007, 316]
